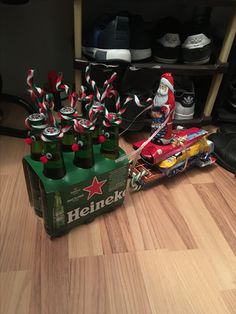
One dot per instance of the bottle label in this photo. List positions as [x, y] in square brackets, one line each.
[81, 194]
[75, 204]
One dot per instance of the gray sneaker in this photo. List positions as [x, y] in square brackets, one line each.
[184, 99]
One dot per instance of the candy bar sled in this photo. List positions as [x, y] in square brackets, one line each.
[188, 148]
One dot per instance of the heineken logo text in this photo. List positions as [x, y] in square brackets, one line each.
[93, 207]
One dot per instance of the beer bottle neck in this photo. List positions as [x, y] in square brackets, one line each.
[55, 167]
[110, 147]
[36, 146]
[69, 136]
[84, 156]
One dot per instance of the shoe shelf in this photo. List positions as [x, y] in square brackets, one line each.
[186, 69]
[216, 70]
[178, 69]
[193, 122]
[187, 122]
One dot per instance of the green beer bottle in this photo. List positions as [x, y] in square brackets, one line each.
[97, 132]
[58, 211]
[83, 147]
[36, 122]
[67, 116]
[110, 146]
[54, 167]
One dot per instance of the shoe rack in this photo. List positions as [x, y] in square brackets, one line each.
[215, 70]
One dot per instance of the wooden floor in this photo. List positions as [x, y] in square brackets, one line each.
[170, 249]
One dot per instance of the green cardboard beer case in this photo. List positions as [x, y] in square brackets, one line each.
[81, 195]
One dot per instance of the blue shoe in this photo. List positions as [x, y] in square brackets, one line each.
[109, 40]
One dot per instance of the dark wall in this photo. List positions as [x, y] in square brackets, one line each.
[39, 35]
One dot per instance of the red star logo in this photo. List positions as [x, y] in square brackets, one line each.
[95, 187]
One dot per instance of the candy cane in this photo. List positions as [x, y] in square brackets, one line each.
[138, 102]
[124, 105]
[82, 93]
[111, 79]
[111, 119]
[73, 97]
[42, 107]
[91, 82]
[91, 102]
[50, 102]
[30, 75]
[78, 127]
[107, 92]
[27, 124]
[60, 86]
[66, 129]
[35, 92]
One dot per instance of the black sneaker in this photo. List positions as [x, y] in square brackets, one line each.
[227, 129]
[109, 40]
[140, 43]
[197, 46]
[167, 45]
[227, 112]
[184, 98]
[225, 150]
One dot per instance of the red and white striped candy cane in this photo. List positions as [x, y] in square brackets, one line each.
[91, 101]
[30, 75]
[66, 129]
[73, 97]
[122, 108]
[94, 111]
[42, 107]
[111, 79]
[107, 92]
[78, 127]
[138, 102]
[35, 92]
[92, 83]
[82, 93]
[110, 118]
[60, 86]
[27, 124]
[50, 103]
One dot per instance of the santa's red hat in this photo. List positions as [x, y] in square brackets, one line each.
[167, 79]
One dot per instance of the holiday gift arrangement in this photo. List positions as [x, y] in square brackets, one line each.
[71, 173]
[76, 170]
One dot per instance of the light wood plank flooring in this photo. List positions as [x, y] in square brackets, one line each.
[169, 249]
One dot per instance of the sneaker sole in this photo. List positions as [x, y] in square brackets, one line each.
[163, 60]
[103, 55]
[199, 55]
[204, 61]
[140, 54]
[180, 116]
[223, 164]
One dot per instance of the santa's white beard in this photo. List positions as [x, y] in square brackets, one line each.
[160, 100]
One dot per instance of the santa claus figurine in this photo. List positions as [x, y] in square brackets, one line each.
[163, 110]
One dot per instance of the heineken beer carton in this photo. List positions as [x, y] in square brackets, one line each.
[82, 194]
